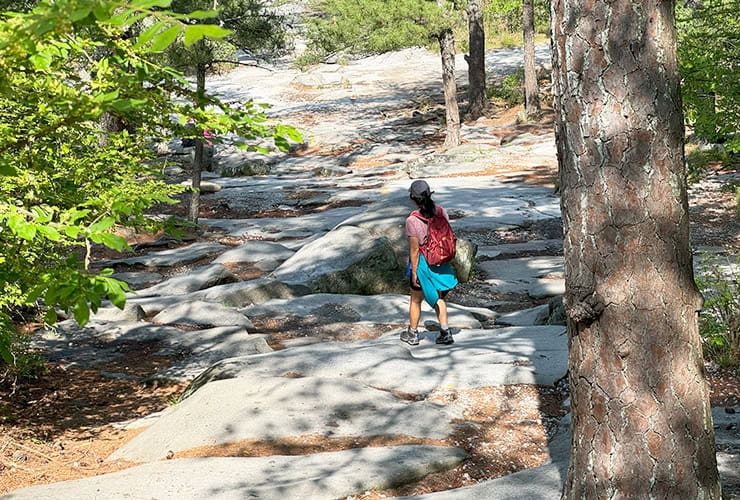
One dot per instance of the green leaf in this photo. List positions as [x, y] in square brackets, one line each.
[148, 4]
[102, 225]
[147, 35]
[80, 14]
[74, 215]
[115, 242]
[115, 293]
[40, 61]
[72, 231]
[108, 96]
[195, 32]
[127, 104]
[282, 143]
[51, 316]
[50, 233]
[202, 14]
[102, 12]
[24, 230]
[121, 208]
[7, 170]
[81, 312]
[294, 135]
[5, 352]
[164, 39]
[42, 216]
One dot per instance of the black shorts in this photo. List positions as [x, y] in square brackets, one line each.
[442, 293]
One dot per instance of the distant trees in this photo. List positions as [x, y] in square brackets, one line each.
[642, 423]
[252, 28]
[708, 52]
[377, 26]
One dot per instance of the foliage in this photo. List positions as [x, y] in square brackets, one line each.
[252, 28]
[23, 362]
[510, 89]
[376, 26]
[64, 183]
[719, 281]
[709, 58]
[700, 161]
[503, 20]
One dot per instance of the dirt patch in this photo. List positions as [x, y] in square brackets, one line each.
[59, 426]
[325, 328]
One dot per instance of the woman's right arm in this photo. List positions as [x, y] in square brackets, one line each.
[414, 258]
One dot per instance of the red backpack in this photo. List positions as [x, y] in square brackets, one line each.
[440, 245]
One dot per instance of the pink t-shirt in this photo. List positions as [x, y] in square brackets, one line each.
[416, 227]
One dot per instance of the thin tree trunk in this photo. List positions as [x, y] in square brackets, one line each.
[447, 52]
[476, 60]
[531, 97]
[641, 419]
[199, 149]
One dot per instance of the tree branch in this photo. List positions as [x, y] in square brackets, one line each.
[239, 63]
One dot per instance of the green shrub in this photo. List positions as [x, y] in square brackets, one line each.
[20, 362]
[510, 89]
[699, 161]
[719, 321]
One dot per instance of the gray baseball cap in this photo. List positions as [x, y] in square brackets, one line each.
[419, 188]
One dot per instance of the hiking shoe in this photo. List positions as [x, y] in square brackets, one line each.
[444, 337]
[411, 337]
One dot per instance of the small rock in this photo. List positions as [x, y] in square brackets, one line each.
[170, 455]
[19, 456]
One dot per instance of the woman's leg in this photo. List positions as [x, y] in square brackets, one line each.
[441, 309]
[415, 308]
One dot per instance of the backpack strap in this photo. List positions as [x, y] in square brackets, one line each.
[418, 215]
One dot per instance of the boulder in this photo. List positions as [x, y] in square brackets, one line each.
[140, 279]
[255, 251]
[245, 293]
[387, 219]
[205, 186]
[130, 312]
[556, 312]
[464, 261]
[202, 314]
[236, 163]
[197, 279]
[348, 259]
[172, 257]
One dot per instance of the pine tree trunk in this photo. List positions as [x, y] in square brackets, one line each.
[447, 52]
[199, 149]
[476, 60]
[531, 97]
[641, 420]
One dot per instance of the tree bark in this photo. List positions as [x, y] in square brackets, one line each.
[447, 52]
[641, 419]
[531, 97]
[200, 76]
[476, 60]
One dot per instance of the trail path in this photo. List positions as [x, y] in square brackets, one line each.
[269, 359]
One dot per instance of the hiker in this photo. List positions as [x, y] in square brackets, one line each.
[428, 282]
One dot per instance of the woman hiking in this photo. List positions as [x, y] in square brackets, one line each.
[428, 282]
